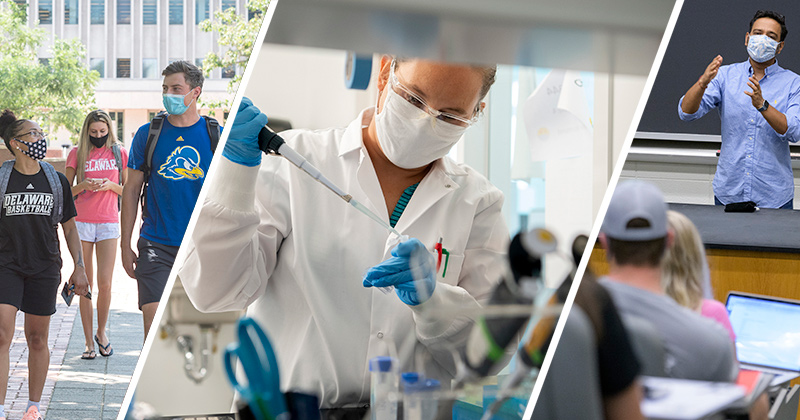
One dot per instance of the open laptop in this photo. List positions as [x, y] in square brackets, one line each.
[767, 334]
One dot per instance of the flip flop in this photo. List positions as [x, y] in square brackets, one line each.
[104, 350]
[88, 355]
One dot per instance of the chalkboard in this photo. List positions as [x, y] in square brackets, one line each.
[704, 29]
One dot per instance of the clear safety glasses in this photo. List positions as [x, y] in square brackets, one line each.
[420, 103]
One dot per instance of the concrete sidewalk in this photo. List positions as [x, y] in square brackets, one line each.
[79, 389]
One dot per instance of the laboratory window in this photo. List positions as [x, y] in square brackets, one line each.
[150, 12]
[176, 12]
[116, 116]
[229, 72]
[71, 12]
[123, 68]
[123, 12]
[45, 12]
[98, 65]
[97, 12]
[227, 4]
[150, 68]
[200, 10]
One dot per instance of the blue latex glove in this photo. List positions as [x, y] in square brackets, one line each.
[409, 270]
[242, 144]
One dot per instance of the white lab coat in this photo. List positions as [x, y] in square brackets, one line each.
[294, 254]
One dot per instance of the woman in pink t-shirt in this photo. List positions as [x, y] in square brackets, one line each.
[97, 176]
[682, 271]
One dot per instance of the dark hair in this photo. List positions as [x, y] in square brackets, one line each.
[192, 74]
[777, 17]
[637, 253]
[8, 125]
[488, 73]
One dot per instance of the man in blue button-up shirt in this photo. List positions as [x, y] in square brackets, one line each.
[759, 105]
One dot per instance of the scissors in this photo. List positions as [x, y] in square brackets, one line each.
[262, 391]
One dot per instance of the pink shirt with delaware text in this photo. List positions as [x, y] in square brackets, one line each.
[98, 206]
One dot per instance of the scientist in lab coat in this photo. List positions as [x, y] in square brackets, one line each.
[271, 239]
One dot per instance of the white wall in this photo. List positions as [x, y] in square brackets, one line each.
[165, 386]
[306, 86]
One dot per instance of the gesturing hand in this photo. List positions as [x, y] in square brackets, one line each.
[755, 95]
[711, 71]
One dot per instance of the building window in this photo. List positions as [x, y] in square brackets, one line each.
[252, 13]
[229, 72]
[71, 12]
[200, 10]
[123, 12]
[23, 5]
[176, 12]
[150, 68]
[151, 115]
[199, 63]
[227, 4]
[124, 68]
[97, 11]
[150, 12]
[45, 12]
[99, 65]
[117, 118]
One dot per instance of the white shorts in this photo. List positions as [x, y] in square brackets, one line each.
[96, 232]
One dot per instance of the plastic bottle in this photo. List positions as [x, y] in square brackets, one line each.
[383, 383]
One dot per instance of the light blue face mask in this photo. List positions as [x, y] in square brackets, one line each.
[174, 103]
[761, 48]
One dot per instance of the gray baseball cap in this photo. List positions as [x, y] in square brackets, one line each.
[631, 200]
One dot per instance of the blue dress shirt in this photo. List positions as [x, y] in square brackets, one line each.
[754, 161]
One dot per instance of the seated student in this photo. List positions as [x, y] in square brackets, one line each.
[682, 272]
[635, 236]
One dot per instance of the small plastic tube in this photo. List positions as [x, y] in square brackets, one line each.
[383, 384]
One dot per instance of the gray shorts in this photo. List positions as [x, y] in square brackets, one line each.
[152, 269]
[96, 232]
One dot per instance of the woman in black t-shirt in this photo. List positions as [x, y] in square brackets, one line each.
[30, 257]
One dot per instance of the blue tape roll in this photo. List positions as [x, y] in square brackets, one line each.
[357, 71]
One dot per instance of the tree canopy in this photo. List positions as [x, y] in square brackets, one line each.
[56, 92]
[236, 36]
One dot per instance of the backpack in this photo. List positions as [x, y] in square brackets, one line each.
[150, 147]
[52, 179]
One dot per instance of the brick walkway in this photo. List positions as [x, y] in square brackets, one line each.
[79, 389]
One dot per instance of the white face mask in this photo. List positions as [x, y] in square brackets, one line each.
[411, 138]
[761, 48]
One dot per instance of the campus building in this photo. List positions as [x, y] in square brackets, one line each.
[129, 42]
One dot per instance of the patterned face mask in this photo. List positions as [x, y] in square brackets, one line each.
[761, 48]
[37, 150]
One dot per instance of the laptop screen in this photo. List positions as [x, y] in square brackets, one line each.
[767, 330]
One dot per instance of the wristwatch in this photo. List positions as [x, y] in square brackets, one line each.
[764, 107]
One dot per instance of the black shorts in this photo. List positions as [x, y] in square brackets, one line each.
[35, 295]
[152, 269]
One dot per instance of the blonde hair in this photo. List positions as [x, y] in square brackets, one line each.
[682, 268]
[85, 145]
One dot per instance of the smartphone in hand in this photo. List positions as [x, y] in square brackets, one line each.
[68, 292]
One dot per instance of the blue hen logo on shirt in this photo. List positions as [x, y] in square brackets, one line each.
[182, 163]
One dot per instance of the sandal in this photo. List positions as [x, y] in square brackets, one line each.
[106, 350]
[88, 355]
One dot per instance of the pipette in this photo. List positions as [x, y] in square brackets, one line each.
[272, 143]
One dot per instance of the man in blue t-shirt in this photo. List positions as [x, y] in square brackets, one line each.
[178, 168]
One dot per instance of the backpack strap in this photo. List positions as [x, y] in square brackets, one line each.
[212, 126]
[5, 175]
[118, 160]
[57, 189]
[149, 149]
